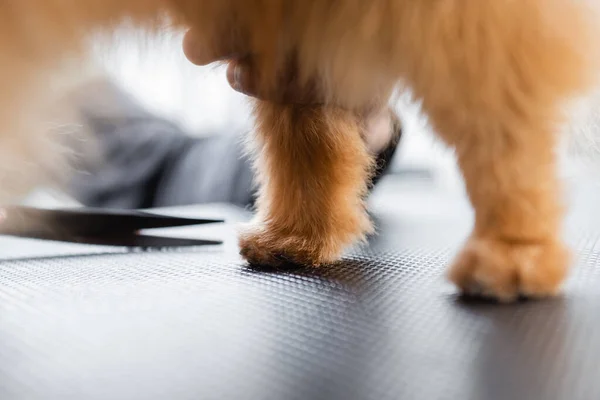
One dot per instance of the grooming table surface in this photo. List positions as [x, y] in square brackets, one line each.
[90, 322]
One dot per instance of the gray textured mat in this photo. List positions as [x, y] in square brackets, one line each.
[198, 324]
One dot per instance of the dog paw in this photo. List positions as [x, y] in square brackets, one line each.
[268, 248]
[505, 270]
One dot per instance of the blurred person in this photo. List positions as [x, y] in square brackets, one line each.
[147, 161]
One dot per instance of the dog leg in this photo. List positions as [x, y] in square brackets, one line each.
[510, 177]
[493, 87]
[313, 167]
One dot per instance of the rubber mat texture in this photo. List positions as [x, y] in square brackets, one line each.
[89, 323]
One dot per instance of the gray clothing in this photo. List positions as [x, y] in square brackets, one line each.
[148, 161]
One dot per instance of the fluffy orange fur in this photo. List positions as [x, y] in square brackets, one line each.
[492, 76]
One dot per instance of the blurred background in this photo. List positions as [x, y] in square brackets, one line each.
[198, 99]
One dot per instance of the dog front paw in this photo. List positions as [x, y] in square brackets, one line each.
[265, 247]
[505, 270]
